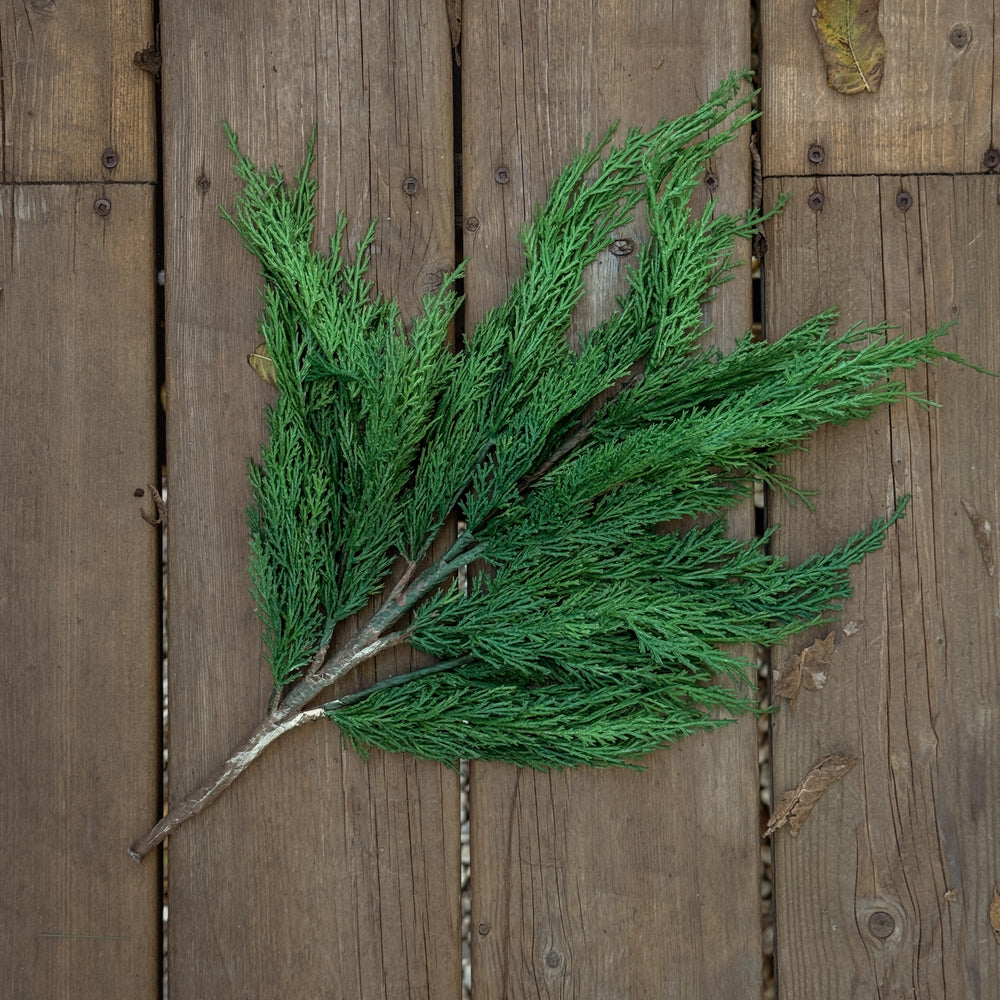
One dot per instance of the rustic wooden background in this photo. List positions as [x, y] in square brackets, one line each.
[320, 875]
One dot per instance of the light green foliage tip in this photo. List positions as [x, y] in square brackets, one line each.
[586, 633]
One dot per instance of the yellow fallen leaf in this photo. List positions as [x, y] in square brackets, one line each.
[260, 361]
[852, 45]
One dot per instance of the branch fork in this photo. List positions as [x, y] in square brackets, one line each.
[287, 709]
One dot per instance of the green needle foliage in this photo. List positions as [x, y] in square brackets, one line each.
[586, 633]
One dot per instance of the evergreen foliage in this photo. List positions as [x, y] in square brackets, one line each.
[587, 632]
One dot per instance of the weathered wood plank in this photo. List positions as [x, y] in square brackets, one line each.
[71, 92]
[887, 887]
[932, 113]
[598, 884]
[317, 874]
[79, 741]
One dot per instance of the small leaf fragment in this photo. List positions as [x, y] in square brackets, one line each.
[995, 911]
[260, 361]
[796, 805]
[852, 45]
[984, 535]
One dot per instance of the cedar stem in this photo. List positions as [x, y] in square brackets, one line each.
[388, 682]
[213, 786]
[285, 714]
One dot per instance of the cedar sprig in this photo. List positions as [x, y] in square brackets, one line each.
[565, 625]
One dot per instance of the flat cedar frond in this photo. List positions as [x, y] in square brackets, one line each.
[594, 635]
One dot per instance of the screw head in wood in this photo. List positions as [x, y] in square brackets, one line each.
[102, 206]
[109, 159]
[410, 186]
[904, 200]
[816, 154]
[815, 201]
[991, 158]
[472, 224]
[960, 36]
[502, 175]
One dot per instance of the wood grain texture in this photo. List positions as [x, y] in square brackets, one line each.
[79, 611]
[932, 113]
[588, 883]
[317, 874]
[71, 91]
[886, 889]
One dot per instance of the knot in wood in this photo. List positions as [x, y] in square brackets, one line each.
[960, 36]
[881, 924]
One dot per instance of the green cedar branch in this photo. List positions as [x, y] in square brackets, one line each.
[592, 635]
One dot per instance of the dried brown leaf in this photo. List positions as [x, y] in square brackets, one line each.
[808, 670]
[816, 663]
[995, 911]
[795, 806]
[788, 682]
[984, 535]
[852, 45]
[260, 361]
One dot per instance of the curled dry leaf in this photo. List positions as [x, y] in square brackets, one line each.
[788, 682]
[995, 911]
[795, 806]
[852, 45]
[808, 670]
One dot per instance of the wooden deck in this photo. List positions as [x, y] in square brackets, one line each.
[321, 875]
